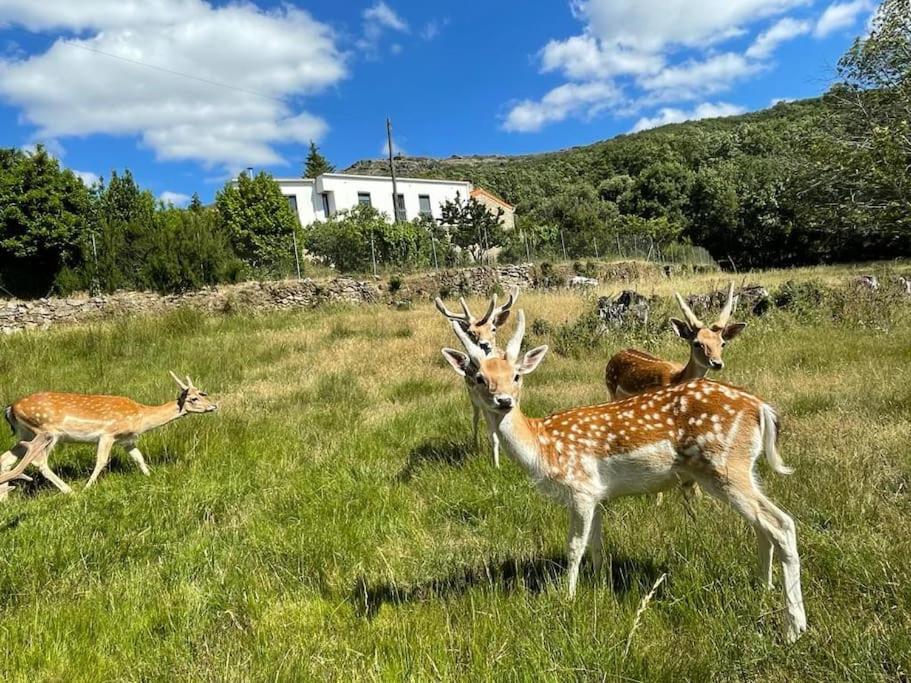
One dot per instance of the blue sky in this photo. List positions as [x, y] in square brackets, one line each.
[186, 92]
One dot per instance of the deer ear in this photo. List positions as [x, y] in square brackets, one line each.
[682, 329]
[532, 360]
[501, 318]
[732, 330]
[459, 361]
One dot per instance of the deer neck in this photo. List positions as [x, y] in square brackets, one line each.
[156, 416]
[692, 370]
[521, 437]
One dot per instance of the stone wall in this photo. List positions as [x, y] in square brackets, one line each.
[18, 315]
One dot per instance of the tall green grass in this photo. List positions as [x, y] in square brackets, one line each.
[334, 521]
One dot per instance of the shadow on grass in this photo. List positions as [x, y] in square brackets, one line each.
[534, 574]
[432, 453]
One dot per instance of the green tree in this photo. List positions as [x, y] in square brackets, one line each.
[44, 214]
[260, 223]
[316, 163]
[471, 226]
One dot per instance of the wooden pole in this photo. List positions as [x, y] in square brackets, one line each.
[395, 191]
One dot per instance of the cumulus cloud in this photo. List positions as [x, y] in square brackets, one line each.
[568, 99]
[706, 110]
[641, 53]
[175, 198]
[784, 30]
[839, 15]
[194, 81]
[87, 177]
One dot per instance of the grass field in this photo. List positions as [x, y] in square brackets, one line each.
[333, 520]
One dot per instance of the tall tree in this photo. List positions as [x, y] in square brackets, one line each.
[259, 221]
[316, 163]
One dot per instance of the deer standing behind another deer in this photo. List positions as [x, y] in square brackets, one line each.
[483, 332]
[700, 431]
[89, 418]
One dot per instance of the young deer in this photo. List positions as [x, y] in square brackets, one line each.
[698, 431]
[30, 450]
[105, 420]
[483, 332]
[630, 372]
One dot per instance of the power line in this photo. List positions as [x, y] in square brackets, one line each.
[175, 73]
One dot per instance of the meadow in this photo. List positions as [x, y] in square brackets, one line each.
[334, 520]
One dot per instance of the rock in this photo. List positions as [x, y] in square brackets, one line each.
[582, 281]
[629, 307]
[868, 281]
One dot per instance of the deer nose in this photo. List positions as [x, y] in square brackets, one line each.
[485, 346]
[503, 401]
[716, 364]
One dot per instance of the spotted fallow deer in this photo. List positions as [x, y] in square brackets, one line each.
[483, 332]
[29, 450]
[630, 372]
[105, 420]
[699, 430]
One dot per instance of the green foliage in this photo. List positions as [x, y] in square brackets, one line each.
[350, 239]
[471, 226]
[44, 214]
[259, 222]
[316, 163]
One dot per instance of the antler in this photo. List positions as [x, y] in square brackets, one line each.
[466, 318]
[490, 310]
[474, 351]
[33, 449]
[688, 312]
[725, 314]
[515, 344]
[179, 383]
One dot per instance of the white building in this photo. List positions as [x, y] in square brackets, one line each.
[315, 199]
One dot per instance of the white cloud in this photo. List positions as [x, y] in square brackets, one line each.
[784, 30]
[585, 99]
[378, 19]
[433, 27]
[706, 110]
[839, 15]
[397, 149]
[87, 177]
[262, 57]
[693, 79]
[631, 50]
[51, 145]
[779, 100]
[175, 198]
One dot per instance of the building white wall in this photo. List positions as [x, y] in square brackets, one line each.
[342, 193]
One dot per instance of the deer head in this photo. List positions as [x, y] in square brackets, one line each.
[192, 400]
[707, 341]
[33, 449]
[496, 380]
[482, 331]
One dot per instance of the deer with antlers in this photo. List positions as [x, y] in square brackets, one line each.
[630, 372]
[105, 420]
[701, 431]
[483, 332]
[30, 450]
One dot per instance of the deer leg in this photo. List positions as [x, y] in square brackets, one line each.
[766, 551]
[581, 514]
[102, 458]
[136, 454]
[41, 463]
[596, 542]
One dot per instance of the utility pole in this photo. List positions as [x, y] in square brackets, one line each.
[395, 191]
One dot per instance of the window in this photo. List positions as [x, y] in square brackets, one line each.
[325, 196]
[292, 203]
[364, 198]
[424, 205]
[400, 214]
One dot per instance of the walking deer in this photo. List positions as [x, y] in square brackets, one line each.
[700, 431]
[630, 372]
[30, 450]
[483, 332]
[105, 420]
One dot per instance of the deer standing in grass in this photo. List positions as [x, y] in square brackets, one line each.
[30, 450]
[105, 420]
[699, 431]
[630, 372]
[483, 332]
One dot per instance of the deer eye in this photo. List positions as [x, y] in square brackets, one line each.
[195, 399]
[517, 378]
[479, 379]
